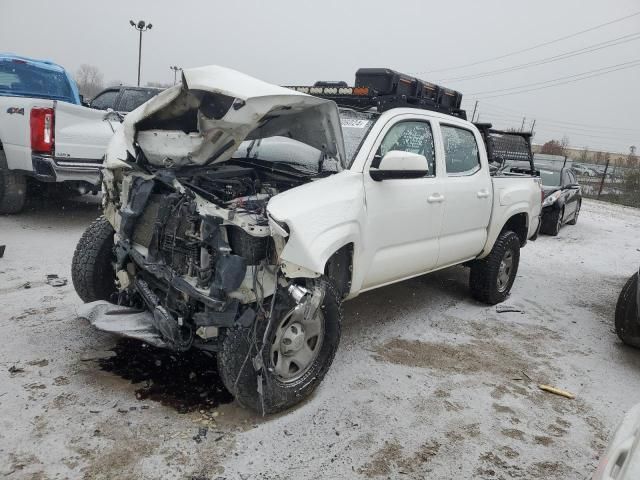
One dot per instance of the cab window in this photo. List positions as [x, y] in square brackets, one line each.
[461, 153]
[409, 136]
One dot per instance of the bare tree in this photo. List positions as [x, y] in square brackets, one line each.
[89, 80]
[553, 147]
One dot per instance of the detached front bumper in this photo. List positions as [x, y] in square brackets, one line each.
[52, 169]
[123, 321]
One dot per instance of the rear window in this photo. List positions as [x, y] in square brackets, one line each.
[22, 79]
[132, 99]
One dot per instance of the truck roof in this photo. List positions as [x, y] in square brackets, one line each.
[71, 94]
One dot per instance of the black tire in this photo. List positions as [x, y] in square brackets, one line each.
[13, 188]
[553, 223]
[485, 274]
[627, 321]
[92, 266]
[574, 220]
[236, 358]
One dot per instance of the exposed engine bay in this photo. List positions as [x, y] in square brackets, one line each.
[194, 247]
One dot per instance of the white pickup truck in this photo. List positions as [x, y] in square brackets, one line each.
[238, 215]
[45, 133]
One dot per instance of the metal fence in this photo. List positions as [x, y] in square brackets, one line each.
[618, 185]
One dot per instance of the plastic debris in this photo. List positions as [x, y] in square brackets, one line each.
[56, 281]
[508, 308]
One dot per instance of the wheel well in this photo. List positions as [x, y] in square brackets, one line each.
[518, 224]
[339, 269]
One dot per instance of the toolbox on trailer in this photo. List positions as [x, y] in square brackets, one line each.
[383, 89]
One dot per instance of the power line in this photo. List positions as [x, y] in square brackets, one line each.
[584, 75]
[560, 124]
[550, 42]
[518, 114]
[573, 53]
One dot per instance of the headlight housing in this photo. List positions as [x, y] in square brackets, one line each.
[552, 198]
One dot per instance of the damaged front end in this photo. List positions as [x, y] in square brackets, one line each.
[197, 257]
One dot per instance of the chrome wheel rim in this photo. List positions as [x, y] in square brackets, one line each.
[559, 221]
[577, 212]
[505, 270]
[296, 345]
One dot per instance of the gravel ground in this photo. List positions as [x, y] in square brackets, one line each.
[427, 383]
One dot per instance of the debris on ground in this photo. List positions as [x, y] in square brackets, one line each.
[14, 370]
[557, 391]
[26, 285]
[202, 433]
[56, 281]
[2, 248]
[508, 308]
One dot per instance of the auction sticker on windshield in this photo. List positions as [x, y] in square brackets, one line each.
[354, 122]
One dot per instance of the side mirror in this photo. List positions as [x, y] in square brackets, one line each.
[572, 185]
[397, 164]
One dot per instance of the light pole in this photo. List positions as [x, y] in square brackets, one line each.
[141, 26]
[175, 72]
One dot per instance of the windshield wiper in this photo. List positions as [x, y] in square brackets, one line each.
[284, 167]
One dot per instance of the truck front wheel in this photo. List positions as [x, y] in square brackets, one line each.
[92, 265]
[13, 188]
[492, 277]
[271, 366]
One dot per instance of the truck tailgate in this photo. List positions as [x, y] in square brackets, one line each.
[81, 133]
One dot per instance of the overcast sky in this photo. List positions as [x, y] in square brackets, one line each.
[300, 41]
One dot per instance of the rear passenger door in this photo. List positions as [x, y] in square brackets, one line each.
[468, 193]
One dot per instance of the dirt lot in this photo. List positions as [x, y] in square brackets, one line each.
[427, 383]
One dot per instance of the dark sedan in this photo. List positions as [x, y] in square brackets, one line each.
[562, 198]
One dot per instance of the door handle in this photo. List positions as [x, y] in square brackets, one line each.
[435, 198]
[484, 193]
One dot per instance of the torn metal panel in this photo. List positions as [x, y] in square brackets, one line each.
[124, 321]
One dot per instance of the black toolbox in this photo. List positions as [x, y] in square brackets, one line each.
[384, 81]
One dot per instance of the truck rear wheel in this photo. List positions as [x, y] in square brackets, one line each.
[13, 188]
[627, 321]
[92, 270]
[492, 277]
[295, 358]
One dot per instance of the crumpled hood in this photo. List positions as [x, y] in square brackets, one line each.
[204, 120]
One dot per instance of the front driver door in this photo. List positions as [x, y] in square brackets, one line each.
[403, 215]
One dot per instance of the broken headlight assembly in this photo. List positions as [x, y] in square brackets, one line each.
[552, 198]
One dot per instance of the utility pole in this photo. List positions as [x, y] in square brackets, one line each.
[141, 26]
[474, 111]
[604, 175]
[175, 72]
[522, 127]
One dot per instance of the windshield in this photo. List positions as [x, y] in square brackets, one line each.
[285, 150]
[550, 178]
[355, 127]
[303, 157]
[23, 79]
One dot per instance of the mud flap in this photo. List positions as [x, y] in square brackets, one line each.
[123, 321]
